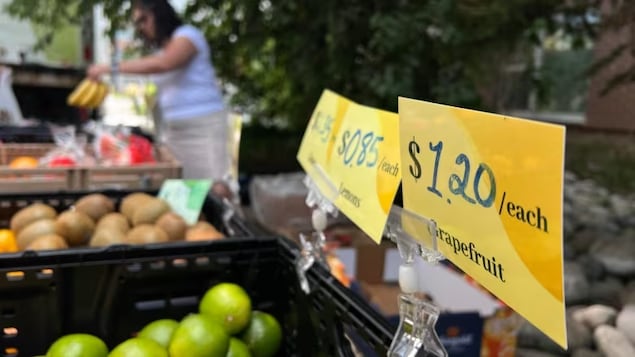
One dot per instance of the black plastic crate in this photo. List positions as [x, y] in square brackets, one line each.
[27, 134]
[114, 292]
[213, 208]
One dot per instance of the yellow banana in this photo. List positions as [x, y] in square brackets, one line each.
[85, 100]
[102, 91]
[74, 98]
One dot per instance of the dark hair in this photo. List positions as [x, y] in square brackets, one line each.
[166, 20]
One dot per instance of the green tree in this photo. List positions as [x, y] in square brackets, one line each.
[280, 55]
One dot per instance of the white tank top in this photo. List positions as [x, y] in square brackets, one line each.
[191, 91]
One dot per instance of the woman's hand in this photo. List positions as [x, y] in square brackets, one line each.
[95, 71]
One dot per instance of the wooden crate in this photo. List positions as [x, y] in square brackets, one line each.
[36, 179]
[133, 177]
[82, 178]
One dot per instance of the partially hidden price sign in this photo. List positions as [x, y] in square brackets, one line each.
[351, 152]
[493, 184]
[185, 197]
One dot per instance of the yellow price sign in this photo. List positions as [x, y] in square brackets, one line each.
[493, 184]
[318, 141]
[355, 149]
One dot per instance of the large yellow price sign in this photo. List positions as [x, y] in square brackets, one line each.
[493, 184]
[351, 151]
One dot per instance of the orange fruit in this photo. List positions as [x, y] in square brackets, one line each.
[78, 345]
[263, 336]
[8, 243]
[229, 305]
[24, 162]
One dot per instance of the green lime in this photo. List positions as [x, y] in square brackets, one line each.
[237, 348]
[199, 336]
[263, 336]
[160, 331]
[78, 345]
[139, 347]
[229, 304]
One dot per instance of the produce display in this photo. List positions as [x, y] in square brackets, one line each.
[225, 325]
[107, 147]
[93, 220]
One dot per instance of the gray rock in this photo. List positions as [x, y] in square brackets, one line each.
[621, 206]
[526, 352]
[595, 315]
[604, 223]
[593, 269]
[627, 295]
[583, 240]
[612, 342]
[612, 227]
[569, 227]
[532, 338]
[576, 285]
[607, 291]
[600, 213]
[570, 177]
[568, 252]
[626, 322]
[617, 255]
[585, 352]
[579, 335]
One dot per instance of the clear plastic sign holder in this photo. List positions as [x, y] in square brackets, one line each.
[228, 214]
[312, 245]
[416, 335]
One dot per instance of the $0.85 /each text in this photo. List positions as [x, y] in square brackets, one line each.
[457, 184]
[359, 148]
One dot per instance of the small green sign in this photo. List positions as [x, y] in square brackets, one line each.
[186, 197]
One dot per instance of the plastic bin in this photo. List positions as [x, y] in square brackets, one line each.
[114, 292]
[213, 208]
[26, 134]
[81, 178]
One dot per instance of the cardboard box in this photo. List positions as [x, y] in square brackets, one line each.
[468, 314]
[364, 259]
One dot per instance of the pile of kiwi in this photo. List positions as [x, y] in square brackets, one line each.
[94, 221]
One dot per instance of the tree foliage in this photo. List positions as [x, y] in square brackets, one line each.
[280, 55]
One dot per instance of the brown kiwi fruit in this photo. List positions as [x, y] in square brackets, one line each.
[149, 211]
[30, 214]
[172, 224]
[48, 242]
[145, 234]
[76, 227]
[95, 205]
[114, 221]
[35, 230]
[203, 231]
[106, 236]
[131, 202]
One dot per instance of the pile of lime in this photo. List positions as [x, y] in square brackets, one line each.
[225, 326]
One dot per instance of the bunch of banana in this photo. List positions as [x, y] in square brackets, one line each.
[88, 94]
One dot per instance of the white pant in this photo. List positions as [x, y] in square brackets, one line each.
[200, 145]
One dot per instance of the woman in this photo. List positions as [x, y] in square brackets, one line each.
[193, 113]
